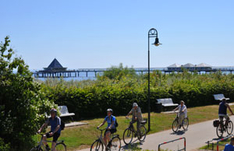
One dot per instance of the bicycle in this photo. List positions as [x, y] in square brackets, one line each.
[221, 127]
[60, 145]
[114, 143]
[128, 132]
[176, 126]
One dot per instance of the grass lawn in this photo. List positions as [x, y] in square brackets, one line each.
[83, 136]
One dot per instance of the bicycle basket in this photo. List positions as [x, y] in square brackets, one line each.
[144, 121]
[216, 123]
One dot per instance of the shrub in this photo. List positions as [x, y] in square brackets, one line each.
[22, 103]
[118, 72]
[90, 100]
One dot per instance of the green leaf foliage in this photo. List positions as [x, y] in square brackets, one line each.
[22, 103]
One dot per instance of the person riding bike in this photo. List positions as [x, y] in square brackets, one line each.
[110, 129]
[182, 112]
[223, 111]
[55, 131]
[136, 115]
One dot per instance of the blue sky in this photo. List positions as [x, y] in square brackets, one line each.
[101, 33]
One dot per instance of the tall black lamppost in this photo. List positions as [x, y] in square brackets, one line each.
[153, 33]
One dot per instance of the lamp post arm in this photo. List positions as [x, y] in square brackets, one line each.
[152, 33]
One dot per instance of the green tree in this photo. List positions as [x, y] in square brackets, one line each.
[118, 72]
[22, 103]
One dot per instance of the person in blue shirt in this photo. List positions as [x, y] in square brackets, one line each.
[229, 147]
[54, 121]
[110, 129]
[223, 106]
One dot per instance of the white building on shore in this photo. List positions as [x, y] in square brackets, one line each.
[189, 67]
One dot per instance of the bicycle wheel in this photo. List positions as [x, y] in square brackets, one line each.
[36, 149]
[60, 147]
[219, 131]
[115, 144]
[185, 124]
[97, 145]
[127, 136]
[142, 134]
[230, 128]
[175, 125]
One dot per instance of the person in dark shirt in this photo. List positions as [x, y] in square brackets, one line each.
[223, 106]
[54, 121]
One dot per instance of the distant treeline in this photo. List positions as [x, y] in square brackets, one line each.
[120, 86]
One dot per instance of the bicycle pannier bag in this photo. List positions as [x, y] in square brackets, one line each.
[216, 123]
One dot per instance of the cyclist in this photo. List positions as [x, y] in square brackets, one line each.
[55, 131]
[229, 147]
[223, 111]
[182, 112]
[136, 115]
[111, 121]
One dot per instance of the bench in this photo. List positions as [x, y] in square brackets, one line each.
[167, 102]
[219, 97]
[64, 111]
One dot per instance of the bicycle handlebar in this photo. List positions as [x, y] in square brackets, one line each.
[101, 129]
[127, 118]
[39, 133]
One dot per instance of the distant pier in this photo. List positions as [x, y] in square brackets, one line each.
[95, 72]
[56, 70]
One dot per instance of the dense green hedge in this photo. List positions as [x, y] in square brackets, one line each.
[90, 99]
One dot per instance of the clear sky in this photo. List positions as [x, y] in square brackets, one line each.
[101, 33]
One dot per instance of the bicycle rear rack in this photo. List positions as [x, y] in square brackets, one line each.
[181, 138]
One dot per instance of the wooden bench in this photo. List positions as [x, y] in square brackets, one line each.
[219, 97]
[64, 111]
[167, 102]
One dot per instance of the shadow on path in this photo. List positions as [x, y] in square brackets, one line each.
[178, 133]
[135, 145]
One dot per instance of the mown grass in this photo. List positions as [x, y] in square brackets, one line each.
[83, 136]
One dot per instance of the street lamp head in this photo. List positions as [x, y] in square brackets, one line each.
[156, 43]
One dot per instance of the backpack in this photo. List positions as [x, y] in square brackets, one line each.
[62, 126]
[116, 123]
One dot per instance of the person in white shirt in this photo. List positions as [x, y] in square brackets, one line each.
[182, 112]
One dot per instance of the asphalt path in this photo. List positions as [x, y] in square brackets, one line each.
[196, 136]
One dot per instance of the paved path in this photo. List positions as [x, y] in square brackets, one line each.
[196, 136]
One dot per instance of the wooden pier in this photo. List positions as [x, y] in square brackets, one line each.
[95, 72]
[56, 70]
